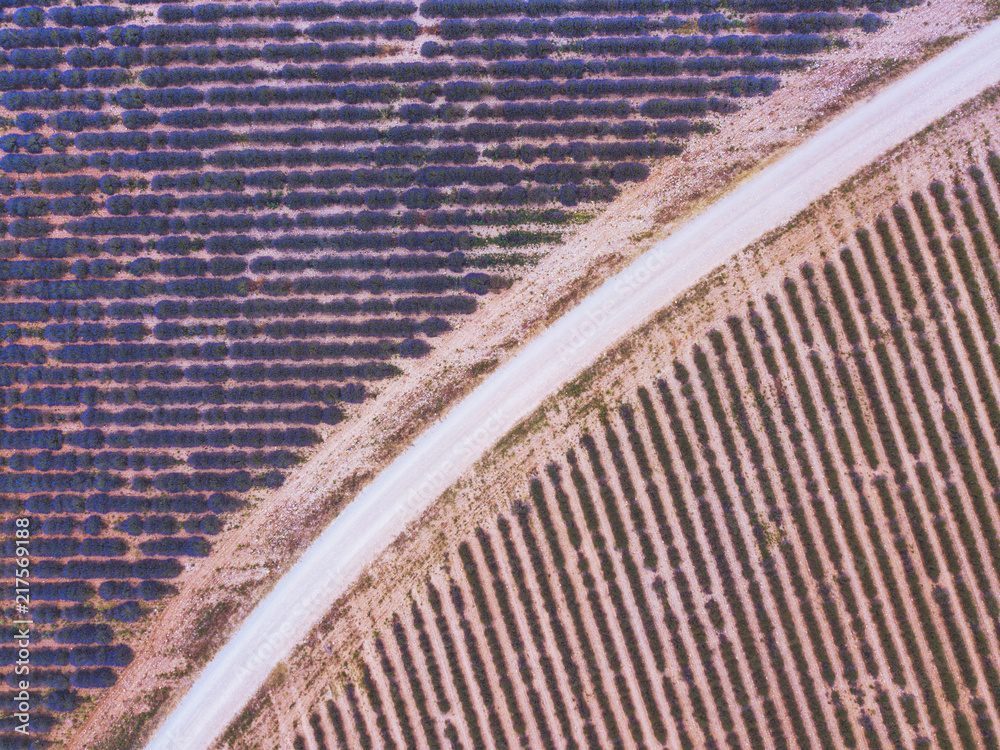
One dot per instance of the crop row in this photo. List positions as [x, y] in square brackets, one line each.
[254, 158]
[167, 34]
[95, 439]
[452, 91]
[56, 525]
[545, 8]
[144, 204]
[414, 198]
[542, 8]
[311, 11]
[61, 680]
[428, 199]
[566, 26]
[80, 591]
[148, 568]
[575, 27]
[319, 10]
[579, 151]
[101, 63]
[228, 159]
[257, 372]
[431, 241]
[171, 482]
[605, 47]
[81, 656]
[158, 396]
[216, 503]
[475, 283]
[380, 93]
[68, 333]
[812, 6]
[201, 54]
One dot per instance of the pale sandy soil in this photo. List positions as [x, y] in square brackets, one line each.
[263, 540]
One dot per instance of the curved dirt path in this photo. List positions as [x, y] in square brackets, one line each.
[438, 457]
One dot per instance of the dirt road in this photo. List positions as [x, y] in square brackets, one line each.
[438, 457]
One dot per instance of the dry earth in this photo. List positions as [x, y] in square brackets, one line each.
[264, 540]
